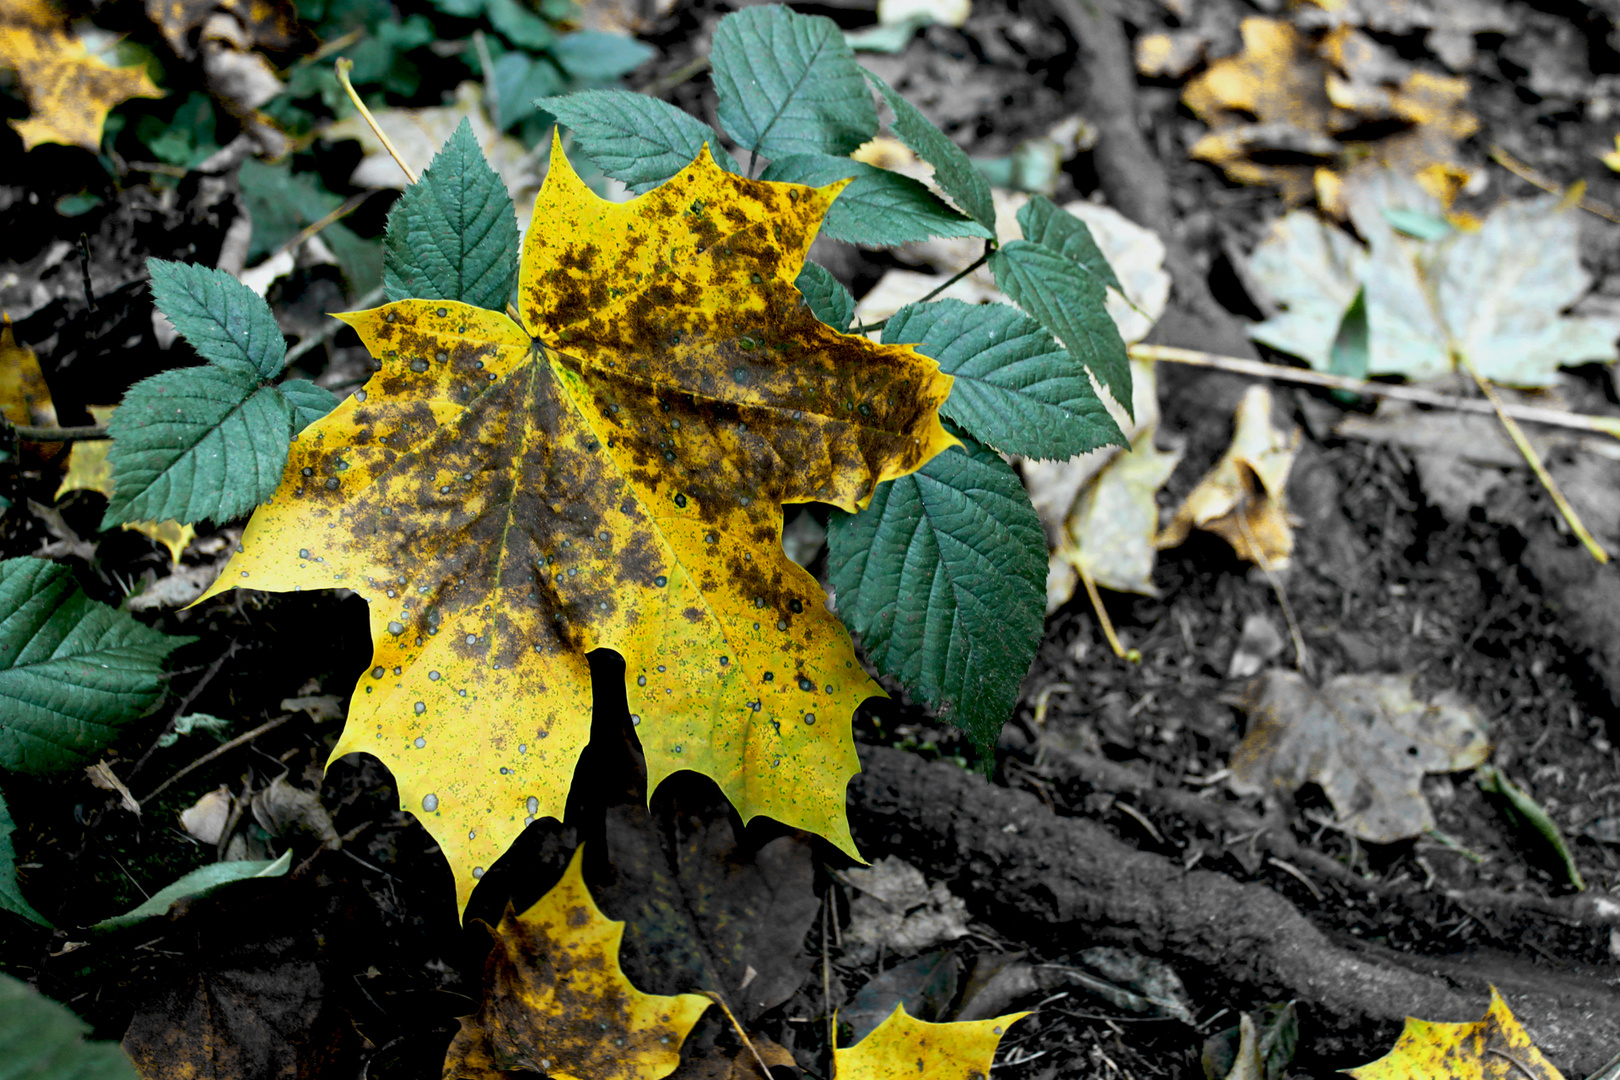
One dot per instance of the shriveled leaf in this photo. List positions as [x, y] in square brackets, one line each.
[634, 138]
[1363, 738]
[610, 473]
[788, 84]
[943, 577]
[1049, 225]
[557, 1002]
[704, 911]
[453, 235]
[1070, 303]
[225, 321]
[68, 90]
[267, 24]
[1016, 389]
[46, 1039]
[896, 910]
[199, 882]
[1495, 1047]
[902, 1048]
[829, 301]
[953, 171]
[1243, 499]
[11, 897]
[73, 672]
[879, 208]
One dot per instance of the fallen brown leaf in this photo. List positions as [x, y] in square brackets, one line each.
[1363, 738]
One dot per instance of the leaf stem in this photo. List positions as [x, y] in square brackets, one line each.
[1526, 173]
[714, 996]
[865, 328]
[344, 65]
[1533, 459]
[1133, 656]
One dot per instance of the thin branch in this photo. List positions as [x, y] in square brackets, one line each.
[216, 752]
[1526, 173]
[866, 328]
[31, 433]
[1534, 414]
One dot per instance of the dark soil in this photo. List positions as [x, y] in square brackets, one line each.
[1111, 826]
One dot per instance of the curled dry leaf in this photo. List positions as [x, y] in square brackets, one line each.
[205, 819]
[1290, 95]
[557, 1002]
[1363, 738]
[283, 809]
[103, 777]
[1243, 498]
[1495, 1047]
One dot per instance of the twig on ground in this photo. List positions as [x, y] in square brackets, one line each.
[714, 996]
[240, 740]
[1526, 173]
[1534, 414]
[1533, 459]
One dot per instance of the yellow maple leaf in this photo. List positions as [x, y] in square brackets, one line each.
[1495, 1047]
[89, 470]
[557, 1002]
[69, 90]
[607, 474]
[904, 1048]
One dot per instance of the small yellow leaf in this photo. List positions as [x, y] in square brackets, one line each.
[557, 1002]
[904, 1048]
[1494, 1048]
[89, 470]
[24, 396]
[1241, 499]
[69, 90]
[1612, 158]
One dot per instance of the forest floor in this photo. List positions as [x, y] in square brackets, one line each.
[1475, 590]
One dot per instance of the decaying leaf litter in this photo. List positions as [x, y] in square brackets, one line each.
[1422, 613]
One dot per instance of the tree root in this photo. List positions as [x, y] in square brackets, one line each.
[1068, 882]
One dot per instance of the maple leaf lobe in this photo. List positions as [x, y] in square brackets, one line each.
[609, 473]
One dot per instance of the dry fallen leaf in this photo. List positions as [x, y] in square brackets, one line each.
[1305, 101]
[205, 820]
[1363, 738]
[103, 777]
[899, 911]
[1495, 1047]
[69, 90]
[1448, 28]
[1243, 498]
[283, 809]
[1496, 295]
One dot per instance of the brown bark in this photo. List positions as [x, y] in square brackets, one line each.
[1069, 882]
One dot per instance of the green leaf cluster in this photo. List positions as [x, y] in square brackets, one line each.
[208, 442]
[943, 574]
